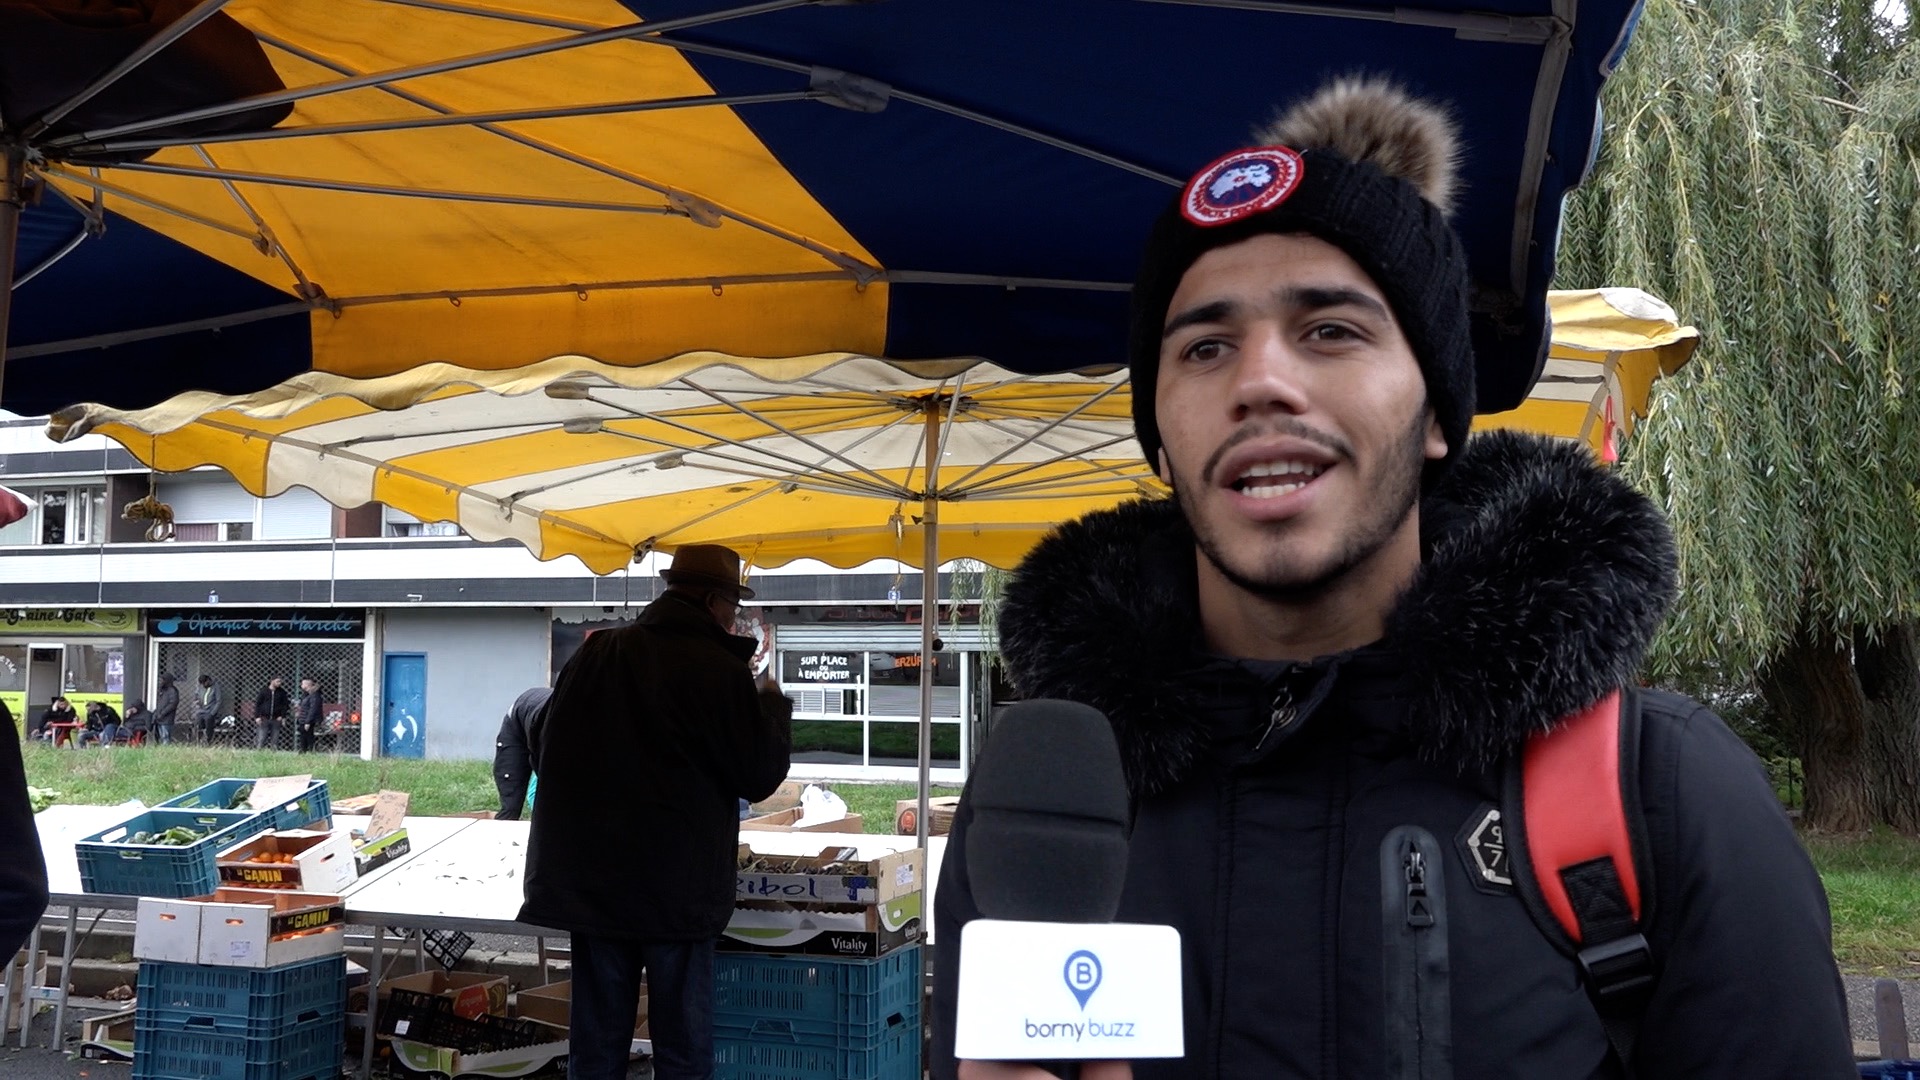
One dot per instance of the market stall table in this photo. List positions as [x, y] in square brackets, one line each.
[61, 826]
[473, 881]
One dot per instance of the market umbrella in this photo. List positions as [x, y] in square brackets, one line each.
[492, 185]
[1609, 347]
[845, 460]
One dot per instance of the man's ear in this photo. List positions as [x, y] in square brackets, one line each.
[1436, 439]
[1166, 468]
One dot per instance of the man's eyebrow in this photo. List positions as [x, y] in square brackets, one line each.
[1319, 297]
[1217, 311]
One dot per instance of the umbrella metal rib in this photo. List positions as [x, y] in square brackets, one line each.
[1070, 414]
[306, 286]
[437, 67]
[353, 188]
[737, 407]
[108, 187]
[796, 464]
[169, 34]
[379, 466]
[837, 258]
[452, 119]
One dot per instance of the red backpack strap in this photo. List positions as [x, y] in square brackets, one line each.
[1577, 854]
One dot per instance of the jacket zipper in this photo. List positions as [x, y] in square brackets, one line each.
[1280, 714]
[1417, 992]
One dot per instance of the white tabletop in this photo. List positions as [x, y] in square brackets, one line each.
[423, 834]
[473, 880]
[60, 827]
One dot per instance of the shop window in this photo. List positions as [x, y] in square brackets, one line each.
[61, 515]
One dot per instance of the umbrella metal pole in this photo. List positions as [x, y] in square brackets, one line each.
[13, 198]
[929, 612]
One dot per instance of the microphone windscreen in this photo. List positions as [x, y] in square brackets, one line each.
[1048, 840]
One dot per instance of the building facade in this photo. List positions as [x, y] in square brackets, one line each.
[418, 637]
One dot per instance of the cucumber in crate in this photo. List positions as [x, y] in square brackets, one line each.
[163, 852]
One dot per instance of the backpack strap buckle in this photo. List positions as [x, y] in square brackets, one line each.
[1618, 969]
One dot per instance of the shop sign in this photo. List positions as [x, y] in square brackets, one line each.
[52, 621]
[257, 623]
[828, 668]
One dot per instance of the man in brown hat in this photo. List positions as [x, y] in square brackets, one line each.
[652, 735]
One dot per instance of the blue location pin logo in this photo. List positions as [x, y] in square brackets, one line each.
[1083, 975]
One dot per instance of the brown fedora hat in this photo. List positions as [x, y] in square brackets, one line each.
[709, 565]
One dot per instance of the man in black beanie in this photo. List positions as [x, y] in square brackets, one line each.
[1343, 660]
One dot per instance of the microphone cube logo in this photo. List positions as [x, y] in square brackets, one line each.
[1083, 976]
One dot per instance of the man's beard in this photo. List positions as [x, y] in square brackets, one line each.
[1283, 579]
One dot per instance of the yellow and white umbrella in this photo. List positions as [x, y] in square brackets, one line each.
[823, 457]
[1609, 347]
[814, 457]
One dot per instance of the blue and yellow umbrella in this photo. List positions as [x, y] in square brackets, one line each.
[263, 188]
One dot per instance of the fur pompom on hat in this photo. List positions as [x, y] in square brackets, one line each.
[1365, 166]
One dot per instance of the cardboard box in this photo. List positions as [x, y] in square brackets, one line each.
[849, 932]
[832, 877]
[940, 813]
[785, 821]
[550, 1004]
[240, 928]
[322, 862]
[370, 855]
[444, 1061]
[474, 993]
[787, 796]
[108, 1037]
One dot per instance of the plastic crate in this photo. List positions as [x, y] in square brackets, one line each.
[314, 806]
[240, 1001]
[107, 866]
[308, 1051]
[1904, 1069]
[846, 1002]
[768, 1057]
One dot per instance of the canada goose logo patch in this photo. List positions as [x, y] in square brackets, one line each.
[1243, 183]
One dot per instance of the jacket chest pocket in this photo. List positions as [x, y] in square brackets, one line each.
[1416, 973]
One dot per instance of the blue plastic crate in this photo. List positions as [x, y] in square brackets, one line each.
[108, 866]
[1904, 1069]
[843, 1001]
[771, 1057]
[313, 807]
[310, 1051]
[237, 1000]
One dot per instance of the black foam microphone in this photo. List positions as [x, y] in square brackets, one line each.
[1048, 841]
[1045, 974]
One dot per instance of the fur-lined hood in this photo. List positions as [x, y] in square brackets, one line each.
[1544, 581]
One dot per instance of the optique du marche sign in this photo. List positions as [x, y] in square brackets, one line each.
[253, 623]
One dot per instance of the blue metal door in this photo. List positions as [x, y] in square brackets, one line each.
[403, 727]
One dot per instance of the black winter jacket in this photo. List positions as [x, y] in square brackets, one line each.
[23, 873]
[1264, 843]
[652, 735]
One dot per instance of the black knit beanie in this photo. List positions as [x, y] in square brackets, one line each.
[1365, 167]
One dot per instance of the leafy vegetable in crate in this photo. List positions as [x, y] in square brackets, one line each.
[240, 796]
[178, 836]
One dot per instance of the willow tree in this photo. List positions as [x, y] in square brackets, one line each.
[1762, 171]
